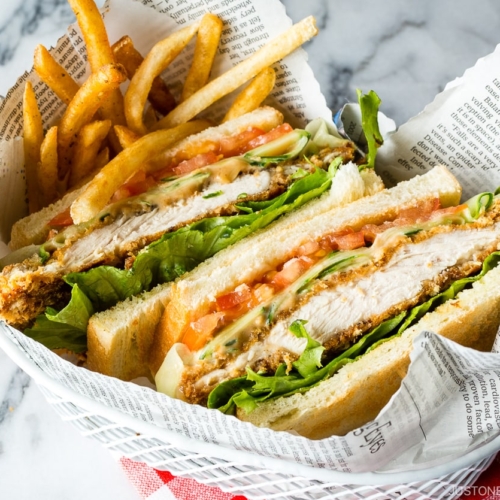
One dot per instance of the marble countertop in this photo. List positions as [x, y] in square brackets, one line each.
[404, 50]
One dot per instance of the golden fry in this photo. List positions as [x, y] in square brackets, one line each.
[88, 143]
[251, 97]
[126, 136]
[125, 164]
[272, 52]
[99, 54]
[160, 56]
[92, 94]
[159, 96]
[207, 42]
[47, 168]
[150, 118]
[54, 75]
[33, 138]
[102, 159]
[94, 33]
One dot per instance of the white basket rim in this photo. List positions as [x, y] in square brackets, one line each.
[243, 457]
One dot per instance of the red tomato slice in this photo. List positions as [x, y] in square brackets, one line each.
[199, 161]
[344, 240]
[232, 299]
[329, 241]
[308, 248]
[351, 241]
[421, 212]
[137, 184]
[449, 210]
[62, 220]
[275, 133]
[238, 144]
[291, 271]
[199, 332]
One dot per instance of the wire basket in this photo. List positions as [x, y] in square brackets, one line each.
[235, 471]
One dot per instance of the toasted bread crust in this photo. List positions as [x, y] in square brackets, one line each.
[119, 339]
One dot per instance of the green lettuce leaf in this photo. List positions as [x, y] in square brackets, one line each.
[310, 360]
[66, 328]
[247, 392]
[369, 104]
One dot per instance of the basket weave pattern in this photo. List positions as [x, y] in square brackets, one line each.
[238, 479]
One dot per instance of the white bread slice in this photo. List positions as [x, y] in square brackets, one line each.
[120, 338]
[263, 251]
[359, 391]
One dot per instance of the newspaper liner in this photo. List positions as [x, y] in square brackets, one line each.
[449, 402]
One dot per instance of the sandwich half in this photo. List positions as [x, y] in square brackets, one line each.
[360, 389]
[210, 300]
[353, 289]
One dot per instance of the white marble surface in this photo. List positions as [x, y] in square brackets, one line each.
[405, 50]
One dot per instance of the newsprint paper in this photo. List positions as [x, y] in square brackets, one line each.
[449, 402]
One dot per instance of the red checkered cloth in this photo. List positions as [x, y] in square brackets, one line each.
[153, 484]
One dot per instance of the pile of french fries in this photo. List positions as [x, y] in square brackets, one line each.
[105, 137]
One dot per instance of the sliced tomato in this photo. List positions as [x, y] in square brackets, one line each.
[164, 173]
[421, 212]
[351, 241]
[309, 248]
[272, 135]
[191, 149]
[291, 271]
[62, 220]
[344, 240]
[199, 161]
[199, 332]
[329, 241]
[238, 144]
[370, 232]
[232, 299]
[449, 210]
[137, 184]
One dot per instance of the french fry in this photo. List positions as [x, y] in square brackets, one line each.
[125, 164]
[266, 56]
[102, 159]
[54, 75]
[47, 168]
[99, 54]
[94, 33]
[82, 108]
[207, 42]
[159, 57]
[88, 143]
[127, 55]
[252, 96]
[150, 118]
[33, 138]
[126, 136]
